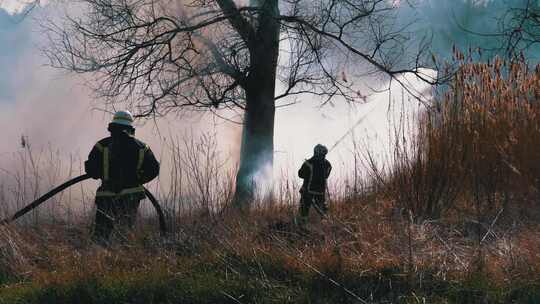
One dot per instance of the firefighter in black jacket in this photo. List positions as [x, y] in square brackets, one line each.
[124, 164]
[314, 172]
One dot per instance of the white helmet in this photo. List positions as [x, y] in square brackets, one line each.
[320, 150]
[123, 118]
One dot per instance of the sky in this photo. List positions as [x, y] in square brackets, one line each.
[54, 109]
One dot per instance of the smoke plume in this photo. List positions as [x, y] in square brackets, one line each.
[54, 109]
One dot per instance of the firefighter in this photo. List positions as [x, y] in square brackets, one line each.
[124, 164]
[314, 172]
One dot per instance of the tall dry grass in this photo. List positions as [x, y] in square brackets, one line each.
[477, 149]
[473, 159]
[358, 254]
[30, 172]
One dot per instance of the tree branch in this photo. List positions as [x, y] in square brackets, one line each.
[239, 23]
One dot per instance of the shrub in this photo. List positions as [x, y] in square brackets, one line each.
[477, 148]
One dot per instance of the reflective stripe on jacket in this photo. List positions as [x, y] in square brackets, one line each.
[123, 164]
[314, 172]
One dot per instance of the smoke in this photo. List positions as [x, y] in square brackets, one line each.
[34, 99]
[55, 112]
[13, 6]
[443, 24]
[54, 109]
[465, 24]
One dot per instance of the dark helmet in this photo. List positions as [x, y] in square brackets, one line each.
[320, 150]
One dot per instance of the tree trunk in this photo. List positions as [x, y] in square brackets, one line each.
[257, 150]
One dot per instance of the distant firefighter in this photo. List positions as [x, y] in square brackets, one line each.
[124, 164]
[314, 172]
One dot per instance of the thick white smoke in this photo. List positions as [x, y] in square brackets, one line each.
[53, 109]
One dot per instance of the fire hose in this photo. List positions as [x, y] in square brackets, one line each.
[350, 130]
[71, 182]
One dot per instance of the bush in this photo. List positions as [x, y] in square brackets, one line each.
[477, 149]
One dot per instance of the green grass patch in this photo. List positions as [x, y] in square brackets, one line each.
[145, 288]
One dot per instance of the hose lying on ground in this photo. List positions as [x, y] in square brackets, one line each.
[71, 182]
[161, 216]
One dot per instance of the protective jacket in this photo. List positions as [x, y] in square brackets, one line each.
[123, 163]
[314, 172]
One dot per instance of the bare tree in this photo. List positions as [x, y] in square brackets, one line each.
[516, 32]
[167, 56]
[520, 27]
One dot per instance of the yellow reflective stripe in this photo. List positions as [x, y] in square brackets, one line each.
[99, 147]
[138, 189]
[140, 162]
[106, 163]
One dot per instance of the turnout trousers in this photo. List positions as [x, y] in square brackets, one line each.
[115, 213]
[316, 200]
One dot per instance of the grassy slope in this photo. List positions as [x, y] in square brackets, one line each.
[360, 253]
[474, 167]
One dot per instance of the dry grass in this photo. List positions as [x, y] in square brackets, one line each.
[476, 151]
[465, 230]
[360, 253]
